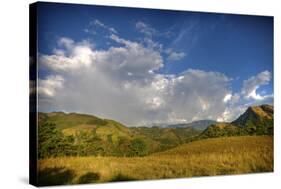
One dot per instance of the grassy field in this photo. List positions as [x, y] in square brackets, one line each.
[219, 156]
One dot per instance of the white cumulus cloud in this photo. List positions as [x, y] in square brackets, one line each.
[250, 86]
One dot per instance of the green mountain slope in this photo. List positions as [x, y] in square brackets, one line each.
[90, 135]
[74, 124]
[222, 130]
[166, 137]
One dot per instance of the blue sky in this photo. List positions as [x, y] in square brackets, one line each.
[236, 48]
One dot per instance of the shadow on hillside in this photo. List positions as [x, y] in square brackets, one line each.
[121, 177]
[55, 176]
[89, 177]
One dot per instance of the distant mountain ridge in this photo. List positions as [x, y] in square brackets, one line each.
[199, 125]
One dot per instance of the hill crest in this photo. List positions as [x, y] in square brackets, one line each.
[256, 120]
[255, 114]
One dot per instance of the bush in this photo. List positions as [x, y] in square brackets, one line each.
[139, 147]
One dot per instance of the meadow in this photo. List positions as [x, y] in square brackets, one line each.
[216, 156]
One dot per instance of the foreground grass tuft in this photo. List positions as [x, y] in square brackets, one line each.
[121, 177]
[89, 177]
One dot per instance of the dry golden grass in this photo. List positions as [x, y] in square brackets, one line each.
[220, 156]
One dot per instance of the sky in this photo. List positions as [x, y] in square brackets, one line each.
[148, 66]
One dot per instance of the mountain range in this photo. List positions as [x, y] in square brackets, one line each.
[91, 135]
[199, 125]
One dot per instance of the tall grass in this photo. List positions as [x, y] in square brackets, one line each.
[220, 156]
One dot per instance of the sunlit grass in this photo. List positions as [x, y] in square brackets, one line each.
[220, 156]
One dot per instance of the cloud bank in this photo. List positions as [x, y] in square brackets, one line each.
[123, 83]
